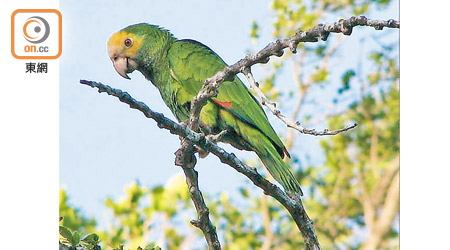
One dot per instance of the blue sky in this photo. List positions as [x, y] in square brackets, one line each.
[105, 145]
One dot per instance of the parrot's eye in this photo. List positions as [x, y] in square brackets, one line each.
[128, 42]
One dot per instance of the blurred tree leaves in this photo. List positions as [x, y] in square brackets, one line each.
[349, 192]
[132, 217]
[72, 217]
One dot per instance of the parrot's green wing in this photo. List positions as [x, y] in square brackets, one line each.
[191, 63]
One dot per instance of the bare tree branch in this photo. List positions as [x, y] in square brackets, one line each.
[291, 202]
[321, 31]
[186, 159]
[304, 87]
[273, 108]
[383, 184]
[383, 224]
[266, 222]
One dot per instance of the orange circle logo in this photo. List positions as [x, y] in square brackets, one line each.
[36, 29]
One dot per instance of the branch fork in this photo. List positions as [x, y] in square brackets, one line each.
[190, 138]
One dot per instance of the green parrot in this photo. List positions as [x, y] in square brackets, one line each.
[178, 69]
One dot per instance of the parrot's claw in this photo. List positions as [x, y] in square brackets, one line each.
[217, 137]
[212, 138]
[202, 153]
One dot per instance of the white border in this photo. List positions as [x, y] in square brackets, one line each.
[29, 145]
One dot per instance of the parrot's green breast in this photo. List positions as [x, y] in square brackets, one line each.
[178, 68]
[191, 62]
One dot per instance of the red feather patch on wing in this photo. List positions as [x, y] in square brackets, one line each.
[223, 104]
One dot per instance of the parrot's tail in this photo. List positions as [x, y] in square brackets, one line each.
[278, 168]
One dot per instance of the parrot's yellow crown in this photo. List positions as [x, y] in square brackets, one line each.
[117, 45]
[123, 48]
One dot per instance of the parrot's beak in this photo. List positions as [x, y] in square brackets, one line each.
[124, 65]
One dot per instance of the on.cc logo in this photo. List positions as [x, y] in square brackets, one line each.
[36, 34]
[36, 29]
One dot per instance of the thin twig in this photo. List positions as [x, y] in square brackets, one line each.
[273, 108]
[290, 202]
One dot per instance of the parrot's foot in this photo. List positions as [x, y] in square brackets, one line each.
[217, 137]
[201, 153]
[212, 138]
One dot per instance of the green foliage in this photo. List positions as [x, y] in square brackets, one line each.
[91, 241]
[348, 75]
[254, 31]
[293, 15]
[133, 218]
[355, 164]
[362, 162]
[72, 240]
[72, 217]
[320, 75]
